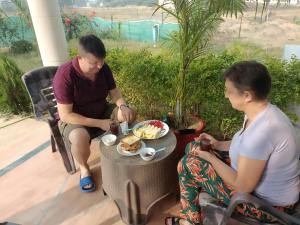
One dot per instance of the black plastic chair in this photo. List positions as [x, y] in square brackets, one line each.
[38, 83]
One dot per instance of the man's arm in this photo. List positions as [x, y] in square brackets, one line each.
[117, 97]
[67, 115]
[124, 113]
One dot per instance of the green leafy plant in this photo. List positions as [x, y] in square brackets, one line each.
[149, 81]
[145, 80]
[198, 20]
[296, 20]
[229, 126]
[13, 96]
[76, 25]
[21, 46]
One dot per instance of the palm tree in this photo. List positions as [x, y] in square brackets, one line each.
[198, 20]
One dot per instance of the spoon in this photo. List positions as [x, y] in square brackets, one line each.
[160, 149]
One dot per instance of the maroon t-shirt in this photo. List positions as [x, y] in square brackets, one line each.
[88, 97]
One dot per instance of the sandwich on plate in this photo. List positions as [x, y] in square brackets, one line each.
[130, 143]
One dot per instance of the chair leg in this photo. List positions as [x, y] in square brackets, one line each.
[67, 156]
[64, 149]
[53, 144]
[72, 166]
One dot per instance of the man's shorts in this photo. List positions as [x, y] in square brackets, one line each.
[66, 128]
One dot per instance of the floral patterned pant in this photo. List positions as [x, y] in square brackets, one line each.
[196, 174]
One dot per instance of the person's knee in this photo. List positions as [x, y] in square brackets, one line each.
[192, 164]
[79, 136]
[181, 166]
[189, 147]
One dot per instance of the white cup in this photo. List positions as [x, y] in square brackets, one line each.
[124, 128]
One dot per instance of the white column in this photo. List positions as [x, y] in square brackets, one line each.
[49, 31]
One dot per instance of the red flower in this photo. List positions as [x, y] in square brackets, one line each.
[68, 21]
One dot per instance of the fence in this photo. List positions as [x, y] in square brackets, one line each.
[14, 28]
[143, 30]
[138, 30]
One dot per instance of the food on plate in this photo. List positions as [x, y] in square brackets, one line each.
[130, 143]
[148, 131]
[157, 123]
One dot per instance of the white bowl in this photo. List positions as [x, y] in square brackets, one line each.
[147, 154]
[109, 139]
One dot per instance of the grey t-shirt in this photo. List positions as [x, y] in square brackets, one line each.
[271, 137]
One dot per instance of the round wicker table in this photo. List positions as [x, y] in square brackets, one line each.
[136, 185]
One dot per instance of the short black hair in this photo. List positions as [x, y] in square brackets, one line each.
[92, 44]
[250, 76]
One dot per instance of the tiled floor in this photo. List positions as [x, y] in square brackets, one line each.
[40, 192]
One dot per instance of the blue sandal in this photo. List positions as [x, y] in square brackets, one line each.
[86, 181]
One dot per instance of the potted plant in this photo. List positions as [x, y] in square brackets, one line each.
[197, 20]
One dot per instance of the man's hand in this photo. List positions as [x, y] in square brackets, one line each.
[127, 114]
[104, 124]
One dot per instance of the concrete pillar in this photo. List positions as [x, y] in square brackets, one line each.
[49, 31]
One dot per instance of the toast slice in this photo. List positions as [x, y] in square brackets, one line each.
[131, 143]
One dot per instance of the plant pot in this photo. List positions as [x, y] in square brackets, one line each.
[184, 136]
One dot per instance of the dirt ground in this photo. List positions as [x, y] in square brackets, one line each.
[272, 35]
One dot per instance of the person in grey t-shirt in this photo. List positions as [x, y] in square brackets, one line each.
[264, 154]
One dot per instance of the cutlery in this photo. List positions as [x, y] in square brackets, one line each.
[160, 149]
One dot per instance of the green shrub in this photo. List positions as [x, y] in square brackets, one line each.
[13, 96]
[148, 82]
[145, 80]
[296, 20]
[76, 25]
[72, 52]
[206, 89]
[21, 46]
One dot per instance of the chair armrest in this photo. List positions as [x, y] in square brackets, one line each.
[240, 198]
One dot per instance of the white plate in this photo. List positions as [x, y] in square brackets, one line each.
[126, 153]
[163, 131]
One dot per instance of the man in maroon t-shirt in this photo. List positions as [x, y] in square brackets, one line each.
[81, 87]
